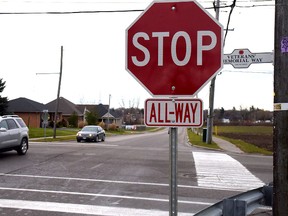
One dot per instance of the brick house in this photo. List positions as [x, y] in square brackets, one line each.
[31, 111]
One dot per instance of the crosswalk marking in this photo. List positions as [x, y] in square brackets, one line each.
[219, 170]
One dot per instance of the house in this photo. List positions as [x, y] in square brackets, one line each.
[104, 114]
[31, 111]
[65, 110]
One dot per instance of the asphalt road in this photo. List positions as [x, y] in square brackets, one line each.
[125, 175]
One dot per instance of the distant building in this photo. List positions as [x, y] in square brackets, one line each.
[224, 120]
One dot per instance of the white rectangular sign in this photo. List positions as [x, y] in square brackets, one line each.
[173, 112]
[243, 58]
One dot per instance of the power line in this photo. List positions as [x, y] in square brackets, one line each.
[71, 12]
[232, 6]
[98, 11]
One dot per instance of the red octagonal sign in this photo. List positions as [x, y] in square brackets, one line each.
[174, 48]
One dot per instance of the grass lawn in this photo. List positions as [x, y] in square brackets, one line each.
[39, 132]
[247, 147]
[250, 139]
[196, 140]
[266, 130]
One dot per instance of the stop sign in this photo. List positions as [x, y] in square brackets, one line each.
[174, 48]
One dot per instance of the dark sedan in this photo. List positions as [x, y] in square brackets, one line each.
[91, 133]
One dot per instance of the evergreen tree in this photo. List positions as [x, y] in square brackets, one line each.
[91, 118]
[3, 100]
[73, 120]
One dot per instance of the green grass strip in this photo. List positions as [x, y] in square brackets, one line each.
[196, 140]
[247, 147]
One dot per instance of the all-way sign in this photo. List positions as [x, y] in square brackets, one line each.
[173, 112]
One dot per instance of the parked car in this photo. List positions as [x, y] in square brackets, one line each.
[91, 133]
[14, 134]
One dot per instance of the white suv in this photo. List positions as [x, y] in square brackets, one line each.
[13, 134]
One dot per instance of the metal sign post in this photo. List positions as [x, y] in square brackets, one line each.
[173, 157]
[45, 118]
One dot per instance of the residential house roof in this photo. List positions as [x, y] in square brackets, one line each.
[65, 106]
[24, 105]
[100, 109]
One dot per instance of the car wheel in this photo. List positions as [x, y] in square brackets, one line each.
[103, 138]
[97, 139]
[78, 140]
[22, 149]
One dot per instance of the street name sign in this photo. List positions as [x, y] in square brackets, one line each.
[174, 48]
[173, 112]
[243, 58]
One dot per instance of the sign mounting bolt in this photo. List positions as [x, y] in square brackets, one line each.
[173, 88]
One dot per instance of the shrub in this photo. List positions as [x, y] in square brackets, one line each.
[81, 124]
[62, 123]
[112, 126]
[102, 124]
[51, 124]
[73, 120]
[91, 118]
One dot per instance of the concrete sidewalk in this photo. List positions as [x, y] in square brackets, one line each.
[223, 144]
[226, 146]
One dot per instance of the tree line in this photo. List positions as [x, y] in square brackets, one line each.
[249, 115]
[132, 116]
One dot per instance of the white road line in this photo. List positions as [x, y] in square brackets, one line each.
[103, 195]
[81, 209]
[113, 181]
[83, 179]
[219, 170]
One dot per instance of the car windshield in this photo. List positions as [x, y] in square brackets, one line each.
[89, 129]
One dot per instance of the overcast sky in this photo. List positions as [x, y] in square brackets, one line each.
[94, 53]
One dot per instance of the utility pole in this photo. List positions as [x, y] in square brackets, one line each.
[280, 129]
[58, 94]
[211, 96]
